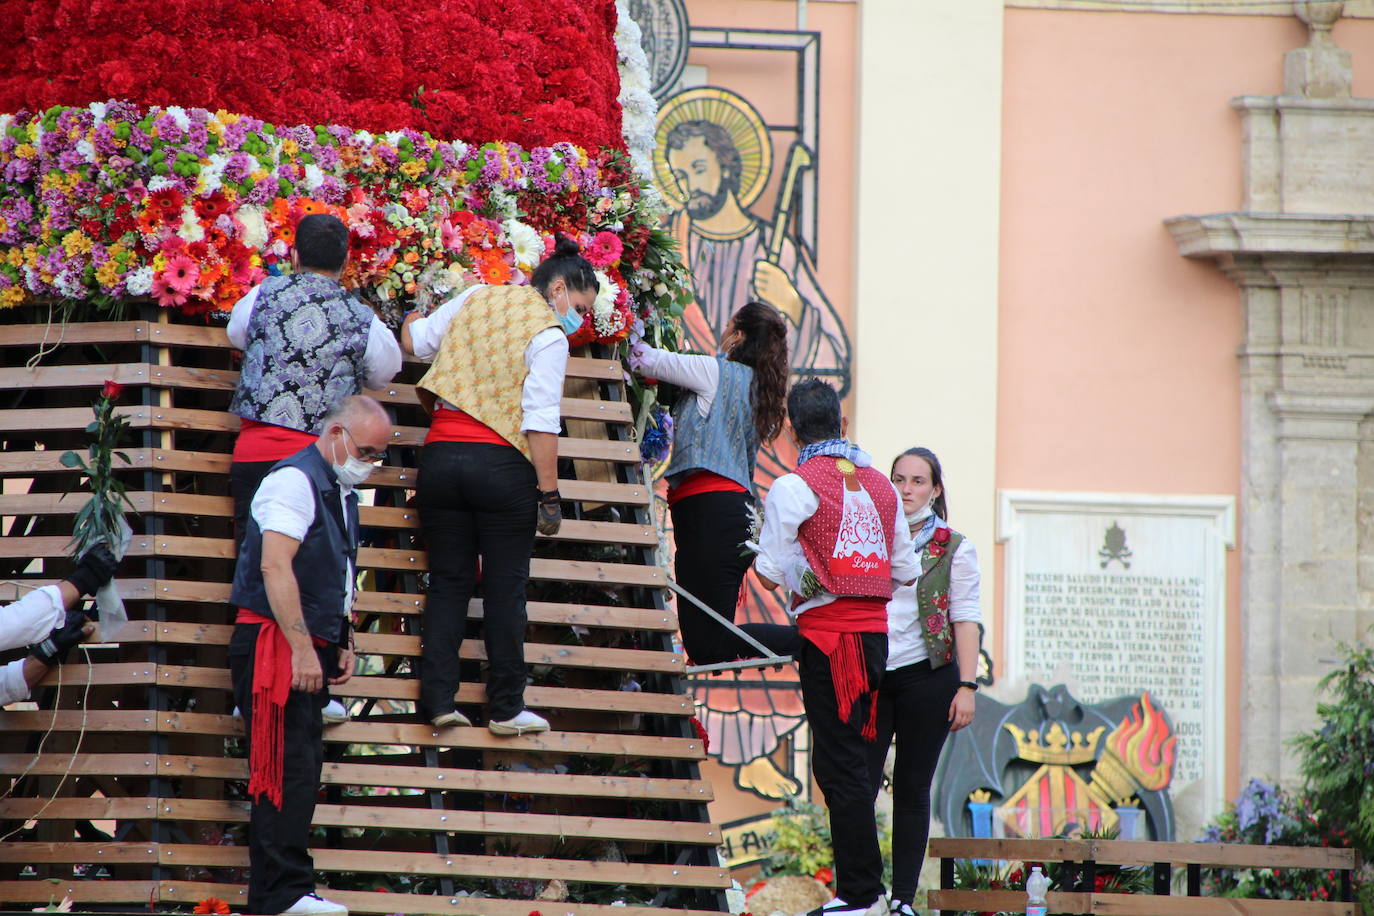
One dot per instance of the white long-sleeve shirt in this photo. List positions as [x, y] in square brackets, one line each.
[381, 358]
[780, 558]
[698, 374]
[23, 623]
[546, 357]
[285, 503]
[905, 644]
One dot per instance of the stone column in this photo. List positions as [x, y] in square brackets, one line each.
[1305, 268]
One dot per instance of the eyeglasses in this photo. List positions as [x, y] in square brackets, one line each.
[370, 455]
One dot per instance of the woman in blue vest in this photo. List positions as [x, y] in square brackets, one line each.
[933, 633]
[733, 403]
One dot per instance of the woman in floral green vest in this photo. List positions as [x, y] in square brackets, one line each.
[932, 660]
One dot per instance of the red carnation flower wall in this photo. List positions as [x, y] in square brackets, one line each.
[533, 72]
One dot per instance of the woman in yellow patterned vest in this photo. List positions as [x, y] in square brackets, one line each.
[489, 470]
[932, 663]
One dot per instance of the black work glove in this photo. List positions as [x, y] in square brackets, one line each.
[94, 569]
[550, 516]
[53, 650]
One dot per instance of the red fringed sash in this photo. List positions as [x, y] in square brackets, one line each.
[837, 630]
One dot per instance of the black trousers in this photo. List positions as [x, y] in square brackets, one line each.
[475, 500]
[913, 705]
[244, 479]
[710, 530]
[840, 761]
[280, 867]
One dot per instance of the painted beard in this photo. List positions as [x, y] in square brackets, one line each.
[705, 206]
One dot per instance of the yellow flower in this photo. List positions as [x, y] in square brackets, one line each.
[290, 147]
[76, 242]
[4, 225]
[11, 297]
[15, 257]
[25, 151]
[107, 275]
[412, 169]
[258, 174]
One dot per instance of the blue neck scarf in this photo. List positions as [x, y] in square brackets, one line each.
[835, 448]
[921, 538]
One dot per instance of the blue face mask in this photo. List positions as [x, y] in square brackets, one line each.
[570, 320]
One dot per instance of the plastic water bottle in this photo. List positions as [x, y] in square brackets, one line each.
[1036, 886]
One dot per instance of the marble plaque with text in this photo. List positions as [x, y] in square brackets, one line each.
[1116, 594]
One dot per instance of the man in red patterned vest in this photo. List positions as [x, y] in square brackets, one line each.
[834, 536]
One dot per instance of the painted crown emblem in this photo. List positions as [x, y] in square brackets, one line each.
[1056, 746]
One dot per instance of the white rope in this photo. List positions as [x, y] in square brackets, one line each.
[43, 348]
[71, 761]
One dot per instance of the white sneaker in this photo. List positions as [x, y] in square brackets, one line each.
[525, 723]
[837, 907]
[334, 712]
[897, 907]
[451, 718]
[315, 905]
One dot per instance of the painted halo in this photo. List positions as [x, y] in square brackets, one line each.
[730, 111]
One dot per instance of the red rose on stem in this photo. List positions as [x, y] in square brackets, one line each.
[111, 389]
[824, 875]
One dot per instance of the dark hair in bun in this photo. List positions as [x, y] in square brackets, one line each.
[566, 263]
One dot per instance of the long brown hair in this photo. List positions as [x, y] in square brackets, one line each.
[763, 347]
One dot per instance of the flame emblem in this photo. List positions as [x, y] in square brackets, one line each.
[1144, 745]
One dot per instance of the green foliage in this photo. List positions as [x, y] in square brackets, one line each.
[97, 522]
[1338, 756]
[801, 845]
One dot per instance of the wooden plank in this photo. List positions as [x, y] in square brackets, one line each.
[606, 370]
[167, 503]
[536, 653]
[1009, 901]
[1058, 850]
[1233, 855]
[1147, 905]
[36, 335]
[368, 558]
[542, 612]
[20, 464]
[356, 732]
[421, 904]
[368, 774]
[387, 816]
[395, 688]
[93, 375]
[139, 417]
[377, 862]
[1139, 852]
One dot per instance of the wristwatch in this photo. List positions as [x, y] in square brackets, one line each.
[971, 685]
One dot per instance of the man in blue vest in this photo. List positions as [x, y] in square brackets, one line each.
[293, 587]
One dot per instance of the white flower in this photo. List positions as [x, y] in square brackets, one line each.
[87, 150]
[139, 282]
[606, 318]
[504, 202]
[191, 230]
[98, 109]
[393, 137]
[178, 115]
[526, 244]
[159, 182]
[212, 173]
[277, 249]
[639, 109]
[314, 177]
[254, 226]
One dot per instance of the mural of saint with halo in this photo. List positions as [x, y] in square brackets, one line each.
[713, 160]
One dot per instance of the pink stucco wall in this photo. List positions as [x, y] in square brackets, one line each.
[1117, 357]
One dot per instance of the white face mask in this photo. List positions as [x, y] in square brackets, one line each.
[921, 514]
[353, 471]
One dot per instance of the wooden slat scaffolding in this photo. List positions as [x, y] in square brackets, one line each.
[137, 795]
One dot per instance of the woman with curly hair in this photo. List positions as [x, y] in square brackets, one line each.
[733, 404]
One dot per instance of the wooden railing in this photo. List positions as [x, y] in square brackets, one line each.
[1083, 857]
